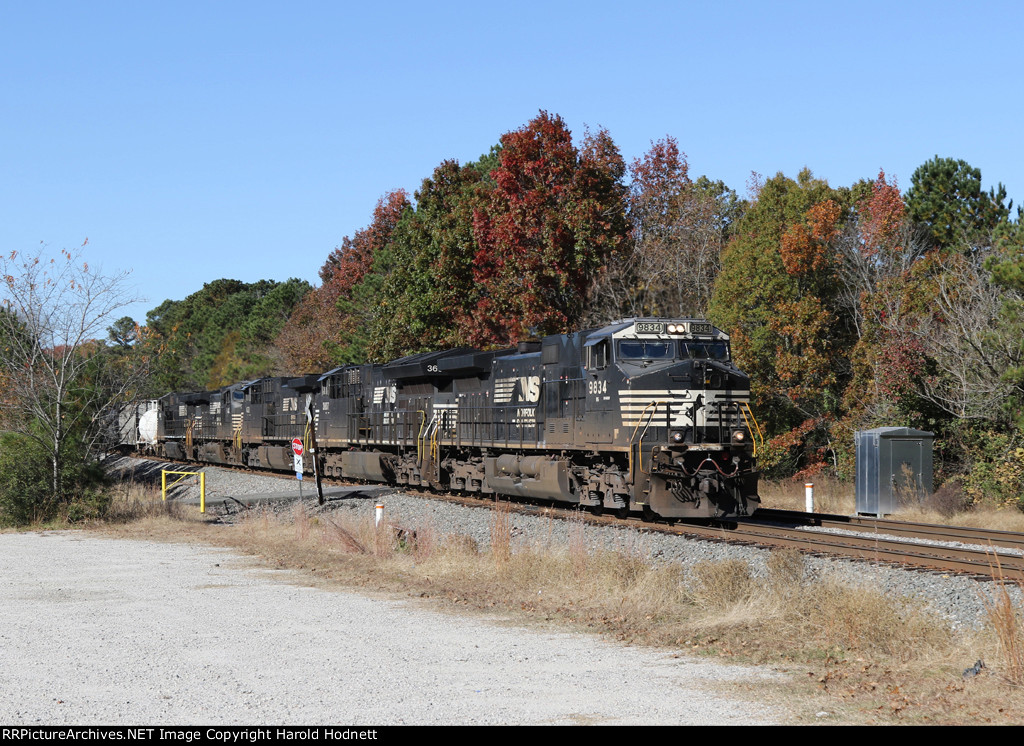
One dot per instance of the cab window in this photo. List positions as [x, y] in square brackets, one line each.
[597, 356]
[643, 350]
[704, 350]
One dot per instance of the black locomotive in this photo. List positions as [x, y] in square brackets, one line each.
[646, 415]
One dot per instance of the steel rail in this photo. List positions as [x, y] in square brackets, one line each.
[910, 529]
[979, 562]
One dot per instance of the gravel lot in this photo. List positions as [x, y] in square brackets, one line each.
[102, 631]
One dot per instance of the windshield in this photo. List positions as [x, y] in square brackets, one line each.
[637, 350]
[705, 350]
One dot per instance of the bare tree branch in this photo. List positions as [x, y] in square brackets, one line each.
[57, 380]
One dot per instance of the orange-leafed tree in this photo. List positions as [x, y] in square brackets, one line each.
[778, 294]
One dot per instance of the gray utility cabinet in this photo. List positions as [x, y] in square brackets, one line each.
[894, 466]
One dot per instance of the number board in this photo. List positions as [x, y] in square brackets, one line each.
[650, 327]
[700, 328]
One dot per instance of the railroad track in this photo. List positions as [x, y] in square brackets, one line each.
[982, 553]
[908, 529]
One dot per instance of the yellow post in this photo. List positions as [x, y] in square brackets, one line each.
[202, 492]
[163, 483]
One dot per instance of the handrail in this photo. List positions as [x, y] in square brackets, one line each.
[419, 435]
[744, 410]
[650, 417]
[424, 440]
[432, 429]
[640, 448]
[435, 441]
[428, 438]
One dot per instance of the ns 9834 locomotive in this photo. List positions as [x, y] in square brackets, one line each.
[642, 415]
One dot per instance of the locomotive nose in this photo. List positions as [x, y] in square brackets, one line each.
[715, 374]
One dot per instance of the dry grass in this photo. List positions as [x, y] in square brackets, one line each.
[339, 538]
[424, 542]
[1005, 519]
[132, 502]
[851, 651]
[721, 587]
[501, 532]
[831, 496]
[1008, 626]
[302, 522]
[577, 546]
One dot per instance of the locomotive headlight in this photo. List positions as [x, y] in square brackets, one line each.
[677, 437]
[739, 437]
[672, 329]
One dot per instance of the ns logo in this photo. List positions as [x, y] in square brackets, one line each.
[529, 388]
[521, 388]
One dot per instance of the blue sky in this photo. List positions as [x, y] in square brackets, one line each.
[192, 141]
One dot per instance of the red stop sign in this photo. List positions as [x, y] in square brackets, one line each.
[297, 446]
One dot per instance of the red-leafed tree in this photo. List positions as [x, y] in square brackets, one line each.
[599, 204]
[875, 253]
[348, 264]
[358, 275]
[552, 218]
[883, 291]
[678, 230]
